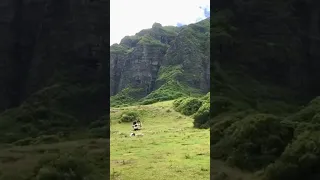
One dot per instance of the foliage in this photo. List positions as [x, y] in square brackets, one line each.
[119, 49]
[126, 97]
[201, 117]
[300, 160]
[252, 142]
[129, 116]
[150, 41]
[100, 132]
[187, 106]
[63, 167]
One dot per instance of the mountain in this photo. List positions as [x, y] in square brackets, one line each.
[161, 63]
[264, 104]
[52, 72]
[54, 89]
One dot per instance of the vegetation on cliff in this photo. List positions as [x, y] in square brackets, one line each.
[264, 101]
[172, 53]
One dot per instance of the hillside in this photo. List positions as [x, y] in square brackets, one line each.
[54, 89]
[169, 149]
[264, 105]
[161, 63]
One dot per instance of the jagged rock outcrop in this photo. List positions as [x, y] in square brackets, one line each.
[141, 62]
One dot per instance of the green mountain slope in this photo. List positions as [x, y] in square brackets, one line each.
[264, 86]
[161, 63]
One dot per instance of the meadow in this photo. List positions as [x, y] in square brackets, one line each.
[170, 148]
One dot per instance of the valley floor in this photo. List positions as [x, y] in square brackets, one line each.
[170, 148]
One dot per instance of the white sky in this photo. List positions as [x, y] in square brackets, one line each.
[128, 17]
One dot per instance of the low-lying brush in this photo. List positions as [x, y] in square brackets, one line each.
[253, 142]
[129, 116]
[201, 117]
[187, 106]
[62, 167]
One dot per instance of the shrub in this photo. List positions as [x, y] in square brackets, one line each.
[188, 106]
[201, 117]
[129, 116]
[47, 139]
[24, 142]
[206, 98]
[253, 142]
[29, 129]
[218, 128]
[63, 167]
[220, 105]
[98, 123]
[300, 160]
[177, 102]
[100, 132]
[308, 113]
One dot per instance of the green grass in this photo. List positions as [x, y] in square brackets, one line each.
[25, 162]
[170, 148]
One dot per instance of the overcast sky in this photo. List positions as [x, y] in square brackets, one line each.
[130, 16]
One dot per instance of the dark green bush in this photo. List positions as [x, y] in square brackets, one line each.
[129, 116]
[24, 142]
[300, 160]
[63, 167]
[218, 128]
[98, 123]
[201, 117]
[47, 139]
[308, 113]
[253, 142]
[220, 105]
[188, 106]
[206, 98]
[177, 102]
[100, 132]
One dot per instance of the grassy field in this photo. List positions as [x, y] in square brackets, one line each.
[26, 162]
[170, 148]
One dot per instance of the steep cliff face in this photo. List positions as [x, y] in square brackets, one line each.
[45, 40]
[157, 57]
[53, 62]
[275, 42]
